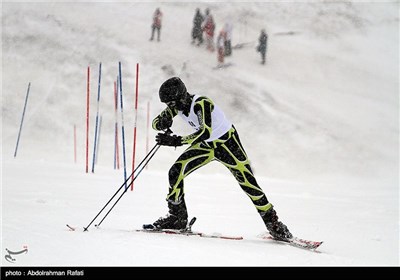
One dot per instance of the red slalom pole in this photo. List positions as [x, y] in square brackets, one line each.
[135, 123]
[87, 120]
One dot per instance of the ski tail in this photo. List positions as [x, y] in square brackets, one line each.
[71, 228]
[188, 232]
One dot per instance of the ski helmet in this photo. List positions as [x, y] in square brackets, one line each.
[172, 89]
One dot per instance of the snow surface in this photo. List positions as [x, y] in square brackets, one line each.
[319, 121]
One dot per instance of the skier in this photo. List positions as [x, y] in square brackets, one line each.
[262, 45]
[215, 138]
[157, 17]
[221, 47]
[228, 38]
[197, 32]
[209, 27]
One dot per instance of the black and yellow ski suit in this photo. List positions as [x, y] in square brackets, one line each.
[215, 138]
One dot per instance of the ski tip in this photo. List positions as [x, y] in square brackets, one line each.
[316, 246]
[312, 245]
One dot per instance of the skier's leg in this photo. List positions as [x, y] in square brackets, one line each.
[232, 154]
[193, 158]
[194, 35]
[152, 32]
[201, 38]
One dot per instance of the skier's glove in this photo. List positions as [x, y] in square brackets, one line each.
[164, 121]
[168, 140]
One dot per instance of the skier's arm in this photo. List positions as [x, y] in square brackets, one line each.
[164, 119]
[203, 108]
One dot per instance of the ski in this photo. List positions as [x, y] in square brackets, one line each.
[188, 232]
[296, 242]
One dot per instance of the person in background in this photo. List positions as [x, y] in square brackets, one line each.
[214, 138]
[228, 45]
[157, 18]
[209, 27]
[221, 47]
[262, 45]
[197, 32]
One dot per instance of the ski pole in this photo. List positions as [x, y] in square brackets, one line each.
[22, 120]
[123, 184]
[128, 186]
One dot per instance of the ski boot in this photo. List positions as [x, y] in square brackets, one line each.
[176, 218]
[277, 229]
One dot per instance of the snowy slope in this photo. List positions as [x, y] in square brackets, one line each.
[319, 122]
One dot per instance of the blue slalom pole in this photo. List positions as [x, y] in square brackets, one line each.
[97, 119]
[116, 156]
[22, 120]
[98, 137]
[122, 122]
